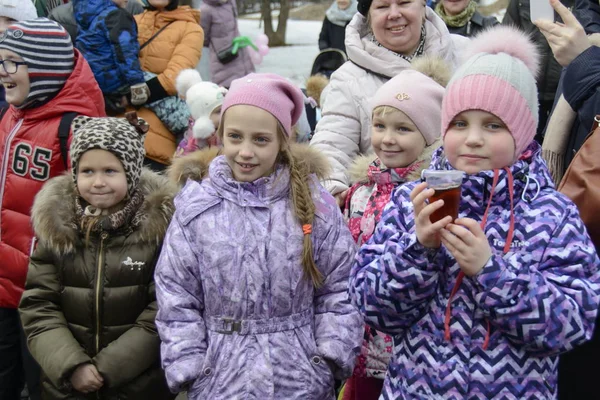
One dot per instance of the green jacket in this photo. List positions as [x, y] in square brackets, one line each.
[96, 303]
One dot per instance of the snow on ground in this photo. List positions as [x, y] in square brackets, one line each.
[295, 60]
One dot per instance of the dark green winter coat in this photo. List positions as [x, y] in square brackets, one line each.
[96, 303]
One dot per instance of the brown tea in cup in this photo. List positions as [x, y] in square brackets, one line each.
[447, 187]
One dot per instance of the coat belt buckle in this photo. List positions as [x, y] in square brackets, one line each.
[229, 325]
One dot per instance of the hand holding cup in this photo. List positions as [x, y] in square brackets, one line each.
[428, 232]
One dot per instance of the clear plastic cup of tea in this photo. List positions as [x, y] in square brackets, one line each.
[447, 186]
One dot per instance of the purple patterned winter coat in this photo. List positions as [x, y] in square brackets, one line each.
[540, 298]
[233, 253]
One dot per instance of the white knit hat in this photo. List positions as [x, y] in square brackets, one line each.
[19, 10]
[202, 99]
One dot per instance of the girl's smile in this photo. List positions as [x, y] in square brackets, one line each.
[251, 142]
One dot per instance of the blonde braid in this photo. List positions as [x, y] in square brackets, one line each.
[304, 208]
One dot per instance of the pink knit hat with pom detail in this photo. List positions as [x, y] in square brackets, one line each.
[270, 92]
[498, 77]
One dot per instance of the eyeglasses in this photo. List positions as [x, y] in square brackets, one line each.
[10, 66]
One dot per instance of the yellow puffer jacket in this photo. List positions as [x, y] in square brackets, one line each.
[176, 48]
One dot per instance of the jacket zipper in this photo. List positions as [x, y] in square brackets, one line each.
[11, 136]
[32, 248]
[98, 289]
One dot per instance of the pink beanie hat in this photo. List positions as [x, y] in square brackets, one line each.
[498, 77]
[416, 95]
[270, 92]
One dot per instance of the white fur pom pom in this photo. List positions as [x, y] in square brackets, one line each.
[203, 128]
[509, 40]
[186, 79]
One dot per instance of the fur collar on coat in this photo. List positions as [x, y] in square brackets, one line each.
[53, 212]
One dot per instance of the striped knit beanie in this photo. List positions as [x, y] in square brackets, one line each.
[498, 77]
[47, 49]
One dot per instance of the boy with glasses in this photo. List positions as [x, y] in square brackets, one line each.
[46, 82]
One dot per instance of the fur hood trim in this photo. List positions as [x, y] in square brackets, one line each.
[315, 85]
[53, 212]
[192, 166]
[434, 67]
[360, 166]
[195, 165]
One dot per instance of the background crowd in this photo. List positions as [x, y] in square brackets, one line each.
[245, 237]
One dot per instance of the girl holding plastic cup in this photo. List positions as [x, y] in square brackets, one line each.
[482, 305]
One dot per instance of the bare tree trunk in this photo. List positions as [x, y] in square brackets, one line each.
[284, 13]
[265, 9]
[276, 38]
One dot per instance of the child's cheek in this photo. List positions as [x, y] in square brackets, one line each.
[450, 149]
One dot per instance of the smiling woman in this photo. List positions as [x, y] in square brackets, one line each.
[381, 41]
[398, 25]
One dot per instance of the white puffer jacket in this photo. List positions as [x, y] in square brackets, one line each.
[344, 130]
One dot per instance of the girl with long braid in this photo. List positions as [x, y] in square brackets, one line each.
[252, 281]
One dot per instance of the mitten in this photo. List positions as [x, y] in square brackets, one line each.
[140, 93]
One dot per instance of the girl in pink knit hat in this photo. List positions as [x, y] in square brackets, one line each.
[252, 282]
[481, 303]
[405, 132]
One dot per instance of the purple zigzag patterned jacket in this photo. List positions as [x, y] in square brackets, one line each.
[540, 298]
[233, 250]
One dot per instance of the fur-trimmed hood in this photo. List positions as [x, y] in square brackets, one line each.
[359, 169]
[53, 213]
[195, 165]
[315, 86]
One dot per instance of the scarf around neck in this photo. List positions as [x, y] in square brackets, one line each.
[383, 180]
[418, 51]
[456, 21]
[126, 217]
[341, 17]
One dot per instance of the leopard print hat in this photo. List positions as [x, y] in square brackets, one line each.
[122, 137]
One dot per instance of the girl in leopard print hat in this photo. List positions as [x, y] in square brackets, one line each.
[100, 232]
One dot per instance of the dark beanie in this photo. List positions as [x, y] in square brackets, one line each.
[363, 6]
[47, 49]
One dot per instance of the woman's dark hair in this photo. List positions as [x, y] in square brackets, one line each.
[173, 4]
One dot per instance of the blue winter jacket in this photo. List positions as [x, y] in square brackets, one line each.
[107, 38]
[536, 297]
[588, 14]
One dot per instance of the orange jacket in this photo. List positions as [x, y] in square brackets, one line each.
[176, 48]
